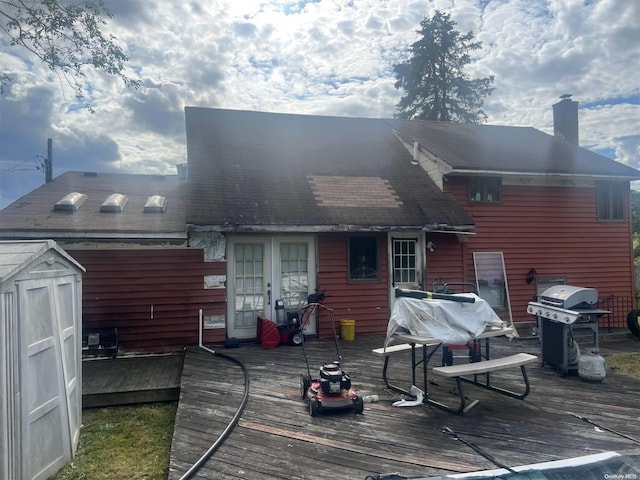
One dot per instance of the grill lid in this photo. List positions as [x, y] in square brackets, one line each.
[569, 296]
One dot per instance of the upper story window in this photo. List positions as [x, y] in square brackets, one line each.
[363, 258]
[485, 189]
[610, 197]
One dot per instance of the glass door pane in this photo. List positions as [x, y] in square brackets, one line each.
[294, 274]
[249, 284]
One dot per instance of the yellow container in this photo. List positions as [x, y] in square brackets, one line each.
[347, 329]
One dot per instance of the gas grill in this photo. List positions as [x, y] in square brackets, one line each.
[566, 304]
[561, 311]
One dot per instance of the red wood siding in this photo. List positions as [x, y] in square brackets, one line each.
[366, 303]
[444, 264]
[554, 230]
[152, 296]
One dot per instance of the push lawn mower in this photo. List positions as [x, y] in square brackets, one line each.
[332, 390]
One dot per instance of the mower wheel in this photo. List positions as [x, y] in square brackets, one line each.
[296, 338]
[314, 407]
[358, 405]
[305, 383]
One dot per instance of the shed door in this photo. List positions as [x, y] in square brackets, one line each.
[49, 380]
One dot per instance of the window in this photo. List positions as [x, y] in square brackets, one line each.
[484, 189]
[363, 258]
[405, 260]
[610, 200]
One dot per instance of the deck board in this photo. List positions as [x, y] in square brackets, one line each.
[276, 438]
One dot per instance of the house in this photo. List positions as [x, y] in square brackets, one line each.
[361, 206]
[128, 231]
[279, 205]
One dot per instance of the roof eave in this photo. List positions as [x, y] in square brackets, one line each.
[463, 171]
[329, 228]
[83, 235]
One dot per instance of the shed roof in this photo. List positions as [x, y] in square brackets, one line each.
[16, 255]
[34, 213]
[255, 170]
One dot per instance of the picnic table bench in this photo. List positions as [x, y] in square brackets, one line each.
[460, 372]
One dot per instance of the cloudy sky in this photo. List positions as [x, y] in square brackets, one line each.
[323, 57]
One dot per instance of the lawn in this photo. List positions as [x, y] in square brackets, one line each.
[627, 363]
[134, 442]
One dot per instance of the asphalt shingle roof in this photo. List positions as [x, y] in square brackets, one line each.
[35, 211]
[471, 147]
[255, 171]
[250, 169]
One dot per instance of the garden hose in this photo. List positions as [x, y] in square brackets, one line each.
[234, 421]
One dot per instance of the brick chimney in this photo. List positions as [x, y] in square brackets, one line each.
[565, 119]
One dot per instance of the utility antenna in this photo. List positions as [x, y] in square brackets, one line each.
[48, 162]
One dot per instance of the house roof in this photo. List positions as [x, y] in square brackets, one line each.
[266, 171]
[255, 171]
[469, 148]
[34, 215]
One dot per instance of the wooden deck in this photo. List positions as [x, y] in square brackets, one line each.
[276, 438]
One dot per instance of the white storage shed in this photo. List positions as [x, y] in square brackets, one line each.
[40, 358]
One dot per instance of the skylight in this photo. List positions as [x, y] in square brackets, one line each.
[70, 202]
[114, 203]
[155, 204]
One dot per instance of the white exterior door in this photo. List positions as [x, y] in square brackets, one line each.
[263, 270]
[407, 261]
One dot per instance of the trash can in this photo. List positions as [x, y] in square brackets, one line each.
[347, 329]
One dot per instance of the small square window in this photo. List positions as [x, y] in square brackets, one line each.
[363, 258]
[485, 189]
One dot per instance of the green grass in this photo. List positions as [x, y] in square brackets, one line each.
[627, 363]
[132, 442]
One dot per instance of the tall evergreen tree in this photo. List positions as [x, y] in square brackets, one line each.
[433, 79]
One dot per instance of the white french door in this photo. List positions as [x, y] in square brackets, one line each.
[262, 270]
